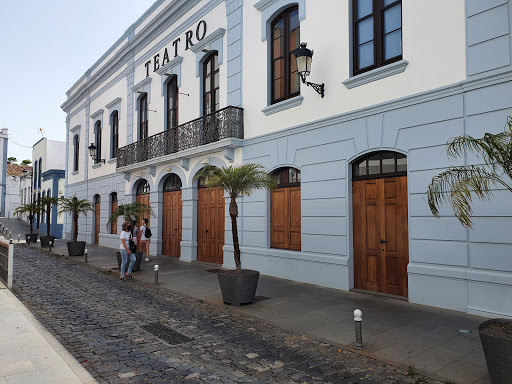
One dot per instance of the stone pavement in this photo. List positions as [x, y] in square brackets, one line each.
[29, 353]
[394, 330]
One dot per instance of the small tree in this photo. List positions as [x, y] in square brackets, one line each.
[46, 204]
[128, 211]
[31, 209]
[12, 160]
[240, 180]
[75, 207]
[26, 162]
[458, 185]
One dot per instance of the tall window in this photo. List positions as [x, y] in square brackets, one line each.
[211, 95]
[97, 132]
[76, 149]
[114, 121]
[143, 119]
[40, 171]
[285, 216]
[172, 103]
[113, 207]
[377, 33]
[35, 174]
[285, 40]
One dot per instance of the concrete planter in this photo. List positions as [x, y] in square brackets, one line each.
[238, 289]
[76, 248]
[497, 351]
[31, 238]
[45, 240]
[138, 261]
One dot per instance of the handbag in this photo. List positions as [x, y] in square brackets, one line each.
[132, 247]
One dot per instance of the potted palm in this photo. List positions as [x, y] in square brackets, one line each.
[75, 207]
[31, 209]
[135, 210]
[46, 204]
[457, 186]
[238, 286]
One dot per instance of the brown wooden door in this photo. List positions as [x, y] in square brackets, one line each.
[171, 224]
[210, 224]
[381, 251]
[286, 218]
[97, 214]
[143, 199]
[113, 226]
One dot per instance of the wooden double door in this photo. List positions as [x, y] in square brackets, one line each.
[285, 231]
[210, 224]
[381, 251]
[143, 199]
[97, 216]
[171, 224]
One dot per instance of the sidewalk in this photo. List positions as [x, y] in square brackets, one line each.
[29, 353]
[394, 330]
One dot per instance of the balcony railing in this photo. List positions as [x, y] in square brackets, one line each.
[224, 123]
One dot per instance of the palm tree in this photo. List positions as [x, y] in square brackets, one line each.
[76, 207]
[135, 209]
[46, 203]
[31, 209]
[240, 180]
[458, 185]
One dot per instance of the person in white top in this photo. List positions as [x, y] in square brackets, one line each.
[124, 247]
[144, 241]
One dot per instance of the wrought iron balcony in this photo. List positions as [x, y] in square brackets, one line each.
[222, 124]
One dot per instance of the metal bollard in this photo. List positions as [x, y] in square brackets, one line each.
[19, 237]
[10, 235]
[156, 273]
[86, 254]
[358, 318]
[51, 245]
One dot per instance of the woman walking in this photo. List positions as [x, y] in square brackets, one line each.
[145, 238]
[125, 250]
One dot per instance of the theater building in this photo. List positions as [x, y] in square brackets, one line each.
[195, 82]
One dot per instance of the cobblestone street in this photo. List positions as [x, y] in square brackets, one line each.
[99, 319]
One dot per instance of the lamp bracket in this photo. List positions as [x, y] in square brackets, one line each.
[319, 88]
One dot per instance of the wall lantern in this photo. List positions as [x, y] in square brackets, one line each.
[92, 152]
[304, 57]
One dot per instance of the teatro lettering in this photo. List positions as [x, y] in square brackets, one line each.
[199, 35]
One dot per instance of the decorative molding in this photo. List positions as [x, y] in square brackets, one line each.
[376, 74]
[113, 103]
[97, 165]
[233, 5]
[184, 163]
[152, 170]
[173, 67]
[96, 114]
[112, 161]
[170, 65]
[74, 173]
[229, 154]
[141, 84]
[208, 40]
[270, 8]
[75, 128]
[283, 105]
[127, 176]
[213, 42]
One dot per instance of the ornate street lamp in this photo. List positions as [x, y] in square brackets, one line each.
[304, 57]
[92, 152]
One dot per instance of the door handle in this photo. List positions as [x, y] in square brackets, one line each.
[206, 231]
[175, 229]
[383, 241]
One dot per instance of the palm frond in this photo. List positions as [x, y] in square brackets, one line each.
[131, 210]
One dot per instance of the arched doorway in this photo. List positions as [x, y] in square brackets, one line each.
[381, 249]
[210, 223]
[172, 214]
[142, 197]
[285, 215]
[97, 216]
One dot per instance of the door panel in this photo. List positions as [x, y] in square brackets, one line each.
[113, 226]
[381, 251]
[285, 229]
[210, 224]
[143, 199]
[171, 224]
[97, 215]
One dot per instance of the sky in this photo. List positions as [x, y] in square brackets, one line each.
[45, 46]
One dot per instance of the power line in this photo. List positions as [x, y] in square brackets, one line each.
[19, 144]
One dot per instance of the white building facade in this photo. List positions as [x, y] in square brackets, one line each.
[214, 82]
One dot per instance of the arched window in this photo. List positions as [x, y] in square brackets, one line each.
[76, 149]
[35, 174]
[172, 183]
[97, 132]
[114, 121]
[143, 117]
[211, 96]
[285, 40]
[97, 199]
[40, 171]
[113, 207]
[285, 217]
[43, 214]
[379, 164]
[172, 102]
[143, 188]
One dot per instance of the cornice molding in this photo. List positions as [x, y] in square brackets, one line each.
[75, 128]
[170, 65]
[376, 74]
[283, 105]
[141, 84]
[96, 114]
[219, 33]
[113, 103]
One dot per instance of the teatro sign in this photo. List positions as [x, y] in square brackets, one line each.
[200, 33]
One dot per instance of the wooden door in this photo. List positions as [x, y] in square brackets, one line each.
[113, 226]
[97, 214]
[143, 199]
[210, 224]
[381, 251]
[286, 218]
[171, 224]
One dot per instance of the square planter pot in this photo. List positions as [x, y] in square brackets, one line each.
[497, 350]
[136, 266]
[45, 240]
[238, 289]
[31, 238]
[76, 248]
